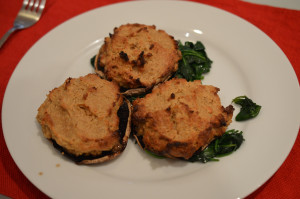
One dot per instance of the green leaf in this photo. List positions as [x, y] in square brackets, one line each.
[194, 62]
[186, 70]
[229, 142]
[199, 46]
[249, 109]
[154, 155]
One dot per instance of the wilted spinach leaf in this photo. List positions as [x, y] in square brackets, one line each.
[249, 109]
[229, 142]
[154, 155]
[194, 62]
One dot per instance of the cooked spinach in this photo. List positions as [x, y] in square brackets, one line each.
[154, 155]
[249, 109]
[194, 62]
[222, 146]
[229, 142]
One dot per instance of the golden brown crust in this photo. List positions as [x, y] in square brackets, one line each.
[81, 116]
[123, 142]
[180, 117]
[138, 55]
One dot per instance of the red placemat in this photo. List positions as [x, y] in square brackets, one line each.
[281, 25]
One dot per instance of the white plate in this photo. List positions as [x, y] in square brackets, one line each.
[246, 61]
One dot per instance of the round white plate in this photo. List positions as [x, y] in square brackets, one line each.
[246, 62]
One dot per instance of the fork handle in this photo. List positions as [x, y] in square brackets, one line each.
[6, 35]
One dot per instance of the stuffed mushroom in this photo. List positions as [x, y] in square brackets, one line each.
[179, 118]
[87, 119]
[137, 57]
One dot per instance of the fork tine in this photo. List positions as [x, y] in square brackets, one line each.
[31, 2]
[41, 7]
[36, 4]
[25, 3]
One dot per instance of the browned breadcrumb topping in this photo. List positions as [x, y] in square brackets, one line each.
[81, 115]
[137, 55]
[180, 117]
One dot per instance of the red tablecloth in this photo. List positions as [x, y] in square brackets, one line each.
[282, 25]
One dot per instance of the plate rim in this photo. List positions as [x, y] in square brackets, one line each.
[119, 4]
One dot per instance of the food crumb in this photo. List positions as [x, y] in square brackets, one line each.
[40, 173]
[57, 165]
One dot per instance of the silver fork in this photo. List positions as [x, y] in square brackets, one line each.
[28, 15]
